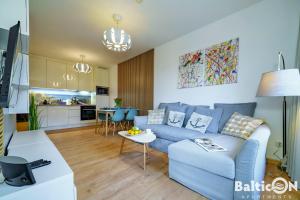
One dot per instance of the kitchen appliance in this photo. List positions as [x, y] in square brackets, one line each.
[88, 112]
[102, 90]
[102, 97]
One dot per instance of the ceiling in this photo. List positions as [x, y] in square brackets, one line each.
[64, 29]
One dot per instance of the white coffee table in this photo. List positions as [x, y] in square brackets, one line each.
[143, 138]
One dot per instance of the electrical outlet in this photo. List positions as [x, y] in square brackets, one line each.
[278, 144]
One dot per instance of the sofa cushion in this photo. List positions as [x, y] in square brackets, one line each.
[173, 107]
[198, 122]
[156, 116]
[164, 105]
[175, 118]
[228, 109]
[215, 114]
[219, 163]
[189, 111]
[241, 126]
[171, 133]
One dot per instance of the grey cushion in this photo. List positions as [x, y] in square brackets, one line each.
[178, 108]
[219, 163]
[173, 107]
[228, 109]
[215, 114]
[189, 111]
[164, 105]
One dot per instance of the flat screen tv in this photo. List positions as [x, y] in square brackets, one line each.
[9, 61]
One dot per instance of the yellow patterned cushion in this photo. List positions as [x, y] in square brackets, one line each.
[241, 126]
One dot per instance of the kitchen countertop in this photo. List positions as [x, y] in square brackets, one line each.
[66, 105]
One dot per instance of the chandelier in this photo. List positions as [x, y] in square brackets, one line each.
[82, 67]
[116, 39]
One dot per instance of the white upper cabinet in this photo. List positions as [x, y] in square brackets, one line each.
[56, 72]
[86, 82]
[71, 77]
[37, 71]
[101, 77]
[12, 11]
[52, 73]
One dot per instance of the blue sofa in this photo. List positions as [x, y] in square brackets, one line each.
[212, 174]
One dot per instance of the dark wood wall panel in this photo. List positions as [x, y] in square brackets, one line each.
[135, 81]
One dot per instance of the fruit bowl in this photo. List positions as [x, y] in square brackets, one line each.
[134, 131]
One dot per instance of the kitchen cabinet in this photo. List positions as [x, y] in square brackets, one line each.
[43, 116]
[57, 115]
[52, 73]
[101, 77]
[74, 115]
[71, 77]
[55, 74]
[53, 117]
[37, 71]
[86, 82]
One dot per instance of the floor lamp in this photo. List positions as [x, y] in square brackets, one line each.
[281, 83]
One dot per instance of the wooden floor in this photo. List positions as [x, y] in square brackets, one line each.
[101, 173]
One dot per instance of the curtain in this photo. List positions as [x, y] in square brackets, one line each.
[293, 132]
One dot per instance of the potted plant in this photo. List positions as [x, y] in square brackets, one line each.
[34, 123]
[118, 102]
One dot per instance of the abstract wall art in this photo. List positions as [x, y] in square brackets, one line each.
[221, 62]
[191, 70]
[215, 65]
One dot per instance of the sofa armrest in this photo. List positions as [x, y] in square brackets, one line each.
[140, 120]
[250, 162]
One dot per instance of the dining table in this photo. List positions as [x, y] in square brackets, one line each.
[109, 112]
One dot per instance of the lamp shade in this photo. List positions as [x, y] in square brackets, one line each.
[280, 83]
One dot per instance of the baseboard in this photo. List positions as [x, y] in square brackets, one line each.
[68, 129]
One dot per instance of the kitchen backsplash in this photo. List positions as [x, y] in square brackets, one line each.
[60, 97]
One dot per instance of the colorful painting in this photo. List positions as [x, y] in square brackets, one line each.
[215, 65]
[221, 63]
[191, 70]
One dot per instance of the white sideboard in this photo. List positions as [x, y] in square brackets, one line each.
[53, 182]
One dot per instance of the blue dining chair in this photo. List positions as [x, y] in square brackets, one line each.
[117, 119]
[132, 112]
[101, 123]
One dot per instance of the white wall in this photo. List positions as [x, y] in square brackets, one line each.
[263, 30]
[113, 84]
[12, 11]
[9, 127]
